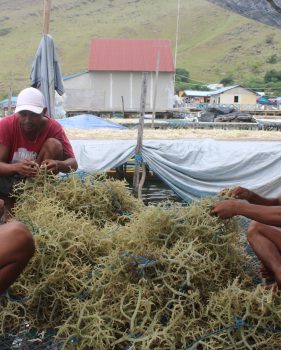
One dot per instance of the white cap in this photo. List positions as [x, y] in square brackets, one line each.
[30, 99]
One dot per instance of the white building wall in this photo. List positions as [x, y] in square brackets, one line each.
[228, 97]
[103, 91]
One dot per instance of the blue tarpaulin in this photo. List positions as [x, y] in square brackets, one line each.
[263, 100]
[5, 103]
[88, 121]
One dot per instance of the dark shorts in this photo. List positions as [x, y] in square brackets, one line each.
[7, 183]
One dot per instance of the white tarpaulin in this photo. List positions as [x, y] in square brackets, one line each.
[193, 168]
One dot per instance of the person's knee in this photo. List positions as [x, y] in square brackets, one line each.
[51, 149]
[253, 231]
[53, 144]
[23, 238]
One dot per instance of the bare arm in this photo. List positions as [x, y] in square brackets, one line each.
[67, 165]
[254, 198]
[25, 168]
[63, 166]
[6, 168]
[269, 215]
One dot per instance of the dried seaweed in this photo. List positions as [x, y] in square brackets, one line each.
[110, 273]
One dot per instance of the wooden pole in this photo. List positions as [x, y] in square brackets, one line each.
[177, 38]
[138, 152]
[123, 108]
[10, 100]
[155, 89]
[46, 16]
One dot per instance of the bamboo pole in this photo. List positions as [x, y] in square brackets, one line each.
[10, 100]
[137, 185]
[155, 89]
[123, 107]
[46, 16]
[46, 30]
[177, 38]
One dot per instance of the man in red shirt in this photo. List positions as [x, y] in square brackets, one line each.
[30, 139]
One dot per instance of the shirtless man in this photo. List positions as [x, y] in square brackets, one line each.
[16, 249]
[264, 232]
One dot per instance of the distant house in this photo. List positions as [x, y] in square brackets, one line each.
[236, 94]
[114, 76]
[194, 96]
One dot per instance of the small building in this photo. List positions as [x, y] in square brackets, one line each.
[114, 77]
[194, 96]
[236, 94]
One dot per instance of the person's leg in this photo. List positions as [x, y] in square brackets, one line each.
[16, 249]
[266, 242]
[6, 201]
[51, 149]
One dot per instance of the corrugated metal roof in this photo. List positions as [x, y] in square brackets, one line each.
[130, 55]
[75, 75]
[197, 93]
[264, 11]
[222, 90]
[213, 93]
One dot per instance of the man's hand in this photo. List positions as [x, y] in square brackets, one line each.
[242, 193]
[225, 209]
[27, 168]
[51, 165]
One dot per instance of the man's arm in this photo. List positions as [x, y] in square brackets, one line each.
[254, 198]
[67, 165]
[6, 169]
[269, 215]
[25, 168]
[63, 166]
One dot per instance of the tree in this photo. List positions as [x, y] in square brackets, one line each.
[272, 59]
[227, 81]
[182, 75]
[272, 76]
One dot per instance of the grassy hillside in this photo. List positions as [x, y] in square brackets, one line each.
[213, 42]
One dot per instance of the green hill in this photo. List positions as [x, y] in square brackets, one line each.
[212, 42]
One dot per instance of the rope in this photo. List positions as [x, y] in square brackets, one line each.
[140, 261]
[138, 159]
[238, 323]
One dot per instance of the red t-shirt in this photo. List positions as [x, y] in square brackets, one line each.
[11, 135]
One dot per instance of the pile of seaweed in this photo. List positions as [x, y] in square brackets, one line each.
[111, 273]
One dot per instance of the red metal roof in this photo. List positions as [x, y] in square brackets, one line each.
[130, 55]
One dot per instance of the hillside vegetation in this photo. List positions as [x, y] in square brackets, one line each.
[212, 43]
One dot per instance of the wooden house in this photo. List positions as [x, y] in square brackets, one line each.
[236, 94]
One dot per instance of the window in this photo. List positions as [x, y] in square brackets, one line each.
[236, 99]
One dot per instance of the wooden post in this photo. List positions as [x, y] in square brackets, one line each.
[123, 108]
[138, 153]
[10, 101]
[46, 16]
[155, 89]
